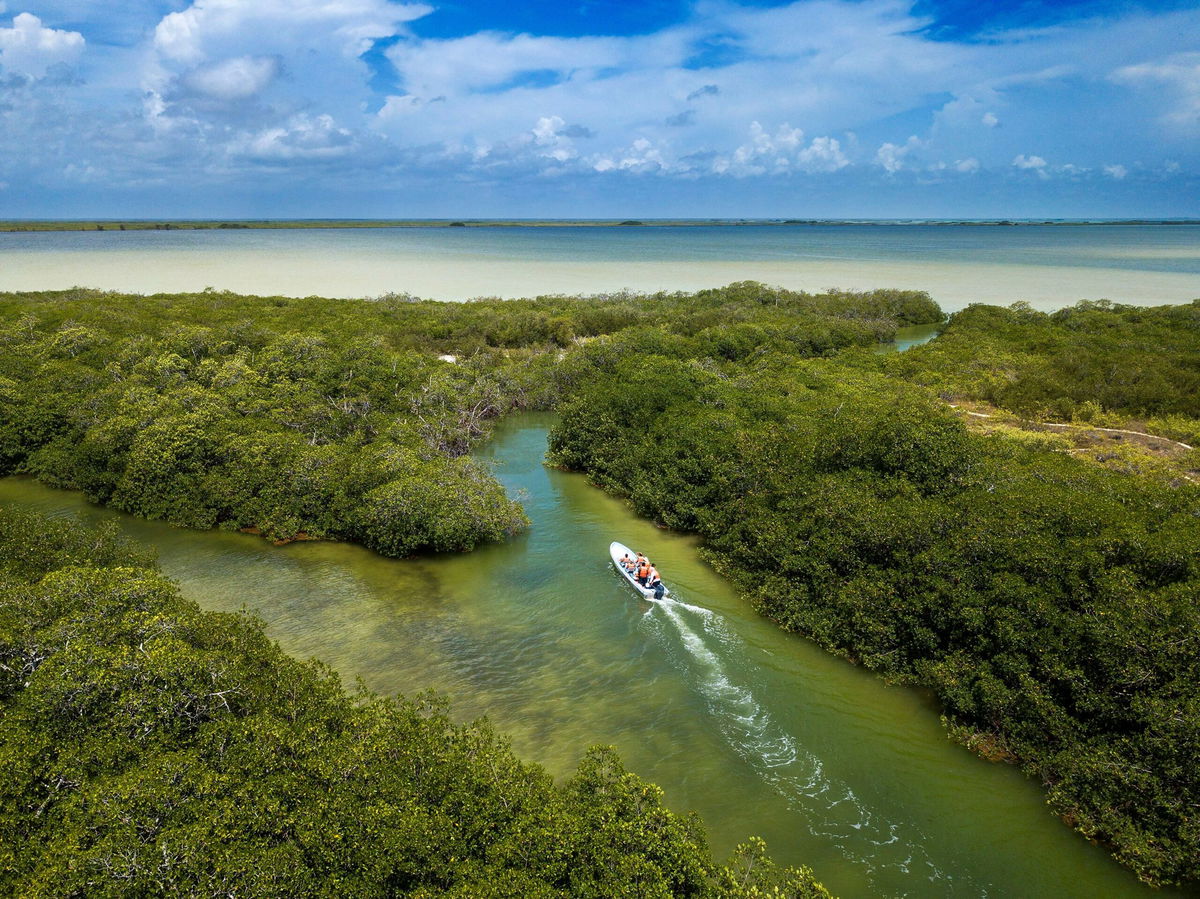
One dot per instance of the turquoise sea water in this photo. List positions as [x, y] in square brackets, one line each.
[1047, 265]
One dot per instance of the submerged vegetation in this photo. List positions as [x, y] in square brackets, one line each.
[1052, 603]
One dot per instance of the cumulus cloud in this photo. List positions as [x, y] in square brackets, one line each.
[259, 81]
[229, 50]
[30, 48]
[1116, 171]
[300, 138]
[640, 156]
[780, 152]
[824, 154]
[352, 26]
[890, 157]
[832, 65]
[551, 136]
[229, 88]
[626, 87]
[234, 79]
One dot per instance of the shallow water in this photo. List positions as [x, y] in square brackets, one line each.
[908, 337]
[1047, 266]
[759, 731]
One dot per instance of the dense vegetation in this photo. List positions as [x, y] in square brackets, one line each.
[336, 419]
[149, 748]
[1053, 606]
[1085, 359]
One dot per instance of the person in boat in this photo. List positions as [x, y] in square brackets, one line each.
[654, 582]
[643, 570]
[626, 561]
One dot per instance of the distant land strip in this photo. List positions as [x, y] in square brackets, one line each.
[239, 224]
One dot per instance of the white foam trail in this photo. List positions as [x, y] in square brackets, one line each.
[831, 808]
[670, 600]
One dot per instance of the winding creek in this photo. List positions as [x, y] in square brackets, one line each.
[759, 731]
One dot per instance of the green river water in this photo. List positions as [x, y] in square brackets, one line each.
[759, 731]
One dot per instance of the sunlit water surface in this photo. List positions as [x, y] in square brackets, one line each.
[1047, 266]
[759, 731]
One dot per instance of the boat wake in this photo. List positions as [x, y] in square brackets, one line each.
[829, 806]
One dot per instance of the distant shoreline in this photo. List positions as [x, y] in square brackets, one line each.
[36, 225]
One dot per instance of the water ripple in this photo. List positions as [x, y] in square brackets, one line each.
[830, 807]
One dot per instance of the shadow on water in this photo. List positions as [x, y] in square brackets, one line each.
[759, 731]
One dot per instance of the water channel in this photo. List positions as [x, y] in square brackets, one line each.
[759, 731]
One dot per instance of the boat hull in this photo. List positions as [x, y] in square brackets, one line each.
[616, 551]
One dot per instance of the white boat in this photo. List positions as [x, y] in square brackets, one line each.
[617, 551]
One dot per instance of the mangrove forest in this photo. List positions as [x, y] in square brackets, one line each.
[1008, 516]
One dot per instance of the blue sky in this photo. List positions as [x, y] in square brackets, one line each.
[599, 108]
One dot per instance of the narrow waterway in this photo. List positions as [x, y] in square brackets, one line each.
[910, 336]
[760, 732]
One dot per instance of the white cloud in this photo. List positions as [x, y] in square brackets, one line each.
[300, 138]
[891, 157]
[234, 79]
[228, 50]
[30, 48]
[1181, 75]
[350, 25]
[643, 86]
[487, 61]
[549, 137]
[824, 154]
[399, 105]
[780, 152]
[247, 81]
[225, 89]
[640, 156]
[833, 66]
[1021, 161]
[768, 149]
[1116, 171]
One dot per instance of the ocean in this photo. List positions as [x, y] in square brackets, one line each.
[1048, 266]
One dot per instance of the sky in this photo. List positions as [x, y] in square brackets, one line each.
[599, 109]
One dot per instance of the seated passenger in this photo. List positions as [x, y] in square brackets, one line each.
[626, 562]
[643, 570]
